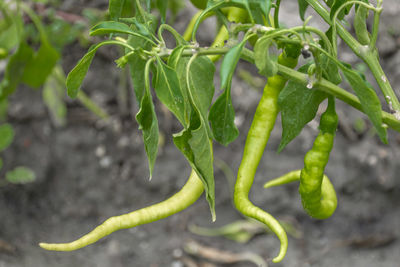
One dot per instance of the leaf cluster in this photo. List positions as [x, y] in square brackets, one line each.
[181, 78]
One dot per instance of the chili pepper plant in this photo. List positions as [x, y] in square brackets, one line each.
[181, 77]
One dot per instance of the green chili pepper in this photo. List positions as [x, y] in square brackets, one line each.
[317, 193]
[328, 200]
[187, 35]
[314, 165]
[189, 193]
[257, 138]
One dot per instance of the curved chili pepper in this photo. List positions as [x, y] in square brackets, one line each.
[257, 138]
[189, 193]
[317, 193]
[328, 200]
[314, 164]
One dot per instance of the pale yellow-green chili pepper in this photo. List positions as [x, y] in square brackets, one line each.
[257, 138]
[317, 193]
[189, 193]
[328, 200]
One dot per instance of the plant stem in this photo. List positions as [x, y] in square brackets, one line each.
[219, 41]
[336, 91]
[343, 33]
[140, 9]
[36, 21]
[373, 63]
[334, 19]
[178, 38]
[276, 13]
[323, 85]
[246, 53]
[367, 54]
[375, 27]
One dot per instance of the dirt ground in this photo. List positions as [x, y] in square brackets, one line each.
[91, 170]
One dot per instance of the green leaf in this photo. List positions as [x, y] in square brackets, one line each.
[330, 70]
[137, 65]
[78, 73]
[138, 42]
[120, 8]
[195, 141]
[196, 146]
[9, 37]
[369, 100]
[53, 96]
[20, 175]
[128, 9]
[222, 113]
[40, 66]
[176, 56]
[6, 17]
[179, 63]
[175, 6]
[146, 117]
[6, 136]
[266, 66]
[11, 27]
[141, 28]
[201, 146]
[162, 7]
[115, 8]
[329, 33]
[303, 5]
[108, 27]
[291, 50]
[329, 3]
[335, 7]
[360, 25]
[299, 105]
[266, 6]
[15, 69]
[257, 10]
[144, 15]
[222, 119]
[201, 87]
[229, 63]
[169, 91]
[148, 123]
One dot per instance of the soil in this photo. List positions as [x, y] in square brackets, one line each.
[91, 170]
